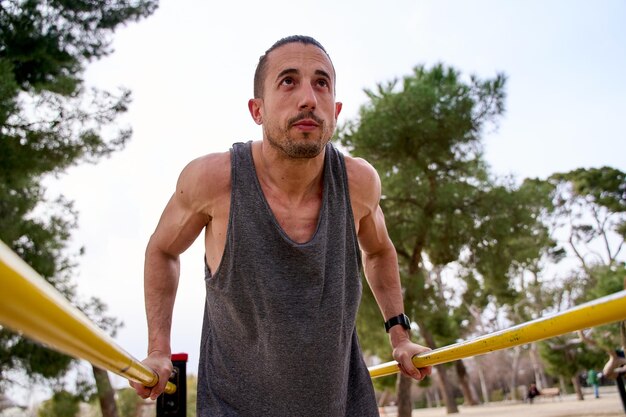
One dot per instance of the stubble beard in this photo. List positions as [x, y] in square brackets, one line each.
[306, 147]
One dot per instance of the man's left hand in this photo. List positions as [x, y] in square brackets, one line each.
[403, 353]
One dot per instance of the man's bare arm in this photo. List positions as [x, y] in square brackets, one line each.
[184, 217]
[380, 260]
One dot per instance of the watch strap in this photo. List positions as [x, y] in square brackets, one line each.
[401, 319]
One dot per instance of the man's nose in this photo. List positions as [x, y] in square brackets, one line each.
[308, 99]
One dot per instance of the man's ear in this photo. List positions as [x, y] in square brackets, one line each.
[338, 107]
[255, 107]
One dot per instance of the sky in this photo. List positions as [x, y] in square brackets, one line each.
[190, 67]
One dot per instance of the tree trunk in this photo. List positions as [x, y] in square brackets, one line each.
[577, 388]
[429, 401]
[446, 390]
[514, 369]
[562, 384]
[437, 397]
[106, 395]
[383, 398]
[405, 408]
[483, 380]
[464, 382]
[474, 393]
[442, 376]
[540, 375]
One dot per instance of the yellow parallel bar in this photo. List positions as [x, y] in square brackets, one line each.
[604, 310]
[34, 307]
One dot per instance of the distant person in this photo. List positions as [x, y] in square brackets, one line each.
[593, 380]
[533, 391]
[287, 221]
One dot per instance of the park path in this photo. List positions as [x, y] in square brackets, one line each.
[608, 405]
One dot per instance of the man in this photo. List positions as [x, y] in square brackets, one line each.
[533, 392]
[286, 221]
[593, 380]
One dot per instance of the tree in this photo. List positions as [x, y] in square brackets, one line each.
[590, 216]
[568, 357]
[95, 309]
[62, 404]
[591, 209]
[507, 247]
[128, 402]
[49, 121]
[423, 137]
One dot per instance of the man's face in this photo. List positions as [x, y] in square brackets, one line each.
[298, 109]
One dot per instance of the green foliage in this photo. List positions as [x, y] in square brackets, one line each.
[567, 357]
[590, 211]
[36, 360]
[569, 351]
[442, 208]
[50, 121]
[423, 136]
[96, 311]
[192, 395]
[423, 139]
[497, 395]
[62, 404]
[508, 236]
[608, 280]
[604, 186]
[48, 42]
[445, 213]
[432, 121]
[128, 402]
[591, 207]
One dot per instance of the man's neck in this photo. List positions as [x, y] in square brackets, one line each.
[296, 178]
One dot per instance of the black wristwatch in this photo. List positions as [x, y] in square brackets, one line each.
[402, 320]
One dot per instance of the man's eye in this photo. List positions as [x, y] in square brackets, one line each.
[322, 83]
[287, 81]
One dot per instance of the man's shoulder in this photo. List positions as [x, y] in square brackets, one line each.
[205, 178]
[364, 185]
[361, 174]
[217, 163]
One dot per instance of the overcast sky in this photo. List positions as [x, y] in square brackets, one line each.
[190, 69]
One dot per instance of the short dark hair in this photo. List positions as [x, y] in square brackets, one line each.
[259, 74]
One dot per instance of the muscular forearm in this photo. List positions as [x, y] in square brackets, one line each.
[381, 270]
[161, 273]
[383, 277]
[382, 273]
[380, 262]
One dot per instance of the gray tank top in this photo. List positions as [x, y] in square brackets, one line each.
[279, 336]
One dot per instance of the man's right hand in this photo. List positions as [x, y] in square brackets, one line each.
[161, 364]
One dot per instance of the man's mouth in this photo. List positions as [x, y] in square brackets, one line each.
[305, 121]
[306, 124]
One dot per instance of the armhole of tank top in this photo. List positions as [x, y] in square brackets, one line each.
[211, 275]
[344, 175]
